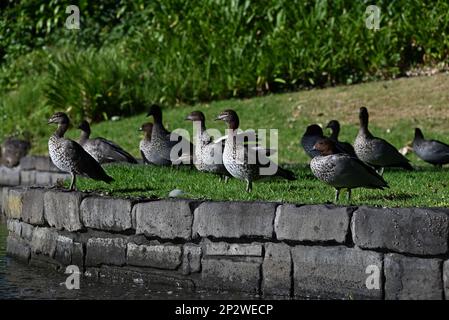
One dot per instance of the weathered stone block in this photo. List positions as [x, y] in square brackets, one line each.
[14, 227]
[59, 177]
[227, 274]
[14, 203]
[446, 279]
[312, 223]
[106, 213]
[27, 163]
[9, 176]
[17, 248]
[234, 219]
[26, 231]
[408, 278]
[63, 253]
[162, 256]
[409, 230]
[78, 255]
[43, 163]
[110, 251]
[191, 258]
[167, 219]
[27, 178]
[336, 272]
[44, 241]
[62, 210]
[232, 249]
[276, 270]
[4, 191]
[33, 206]
[43, 178]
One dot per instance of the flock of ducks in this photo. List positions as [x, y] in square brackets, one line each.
[239, 154]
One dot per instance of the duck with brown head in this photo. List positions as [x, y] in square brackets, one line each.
[243, 161]
[345, 147]
[159, 150]
[432, 151]
[342, 171]
[144, 144]
[377, 152]
[69, 156]
[101, 149]
[208, 155]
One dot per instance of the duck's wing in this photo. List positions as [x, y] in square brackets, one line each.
[112, 151]
[354, 171]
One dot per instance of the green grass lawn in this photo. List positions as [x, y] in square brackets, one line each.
[396, 108]
[425, 187]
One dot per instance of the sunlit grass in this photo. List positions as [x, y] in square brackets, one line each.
[425, 187]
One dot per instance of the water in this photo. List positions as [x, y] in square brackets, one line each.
[20, 281]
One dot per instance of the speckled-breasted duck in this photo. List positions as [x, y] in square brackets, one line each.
[12, 150]
[146, 128]
[101, 149]
[432, 151]
[377, 152]
[208, 155]
[342, 171]
[162, 141]
[313, 134]
[69, 156]
[345, 147]
[243, 161]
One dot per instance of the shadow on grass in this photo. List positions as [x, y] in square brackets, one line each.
[389, 197]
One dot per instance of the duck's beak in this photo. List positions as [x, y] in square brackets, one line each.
[188, 118]
[220, 117]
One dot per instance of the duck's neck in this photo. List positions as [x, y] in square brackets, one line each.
[147, 135]
[199, 129]
[84, 136]
[335, 133]
[61, 130]
[364, 127]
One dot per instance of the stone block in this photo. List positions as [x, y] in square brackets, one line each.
[106, 213]
[33, 206]
[109, 251]
[277, 270]
[191, 258]
[317, 223]
[17, 248]
[166, 219]
[162, 256]
[234, 219]
[44, 241]
[62, 210]
[406, 230]
[410, 278]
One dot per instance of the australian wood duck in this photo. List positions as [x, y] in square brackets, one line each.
[101, 149]
[432, 151]
[146, 128]
[159, 150]
[208, 155]
[69, 156]
[345, 147]
[342, 171]
[246, 162]
[377, 152]
[313, 134]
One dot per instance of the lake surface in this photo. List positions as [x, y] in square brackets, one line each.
[20, 281]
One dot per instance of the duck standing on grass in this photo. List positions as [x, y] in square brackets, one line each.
[158, 151]
[432, 151]
[208, 155]
[377, 152]
[69, 156]
[345, 147]
[146, 128]
[237, 156]
[102, 150]
[342, 171]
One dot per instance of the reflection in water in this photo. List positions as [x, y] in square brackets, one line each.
[20, 281]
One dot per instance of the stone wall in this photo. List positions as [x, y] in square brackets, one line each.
[269, 249]
[32, 171]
